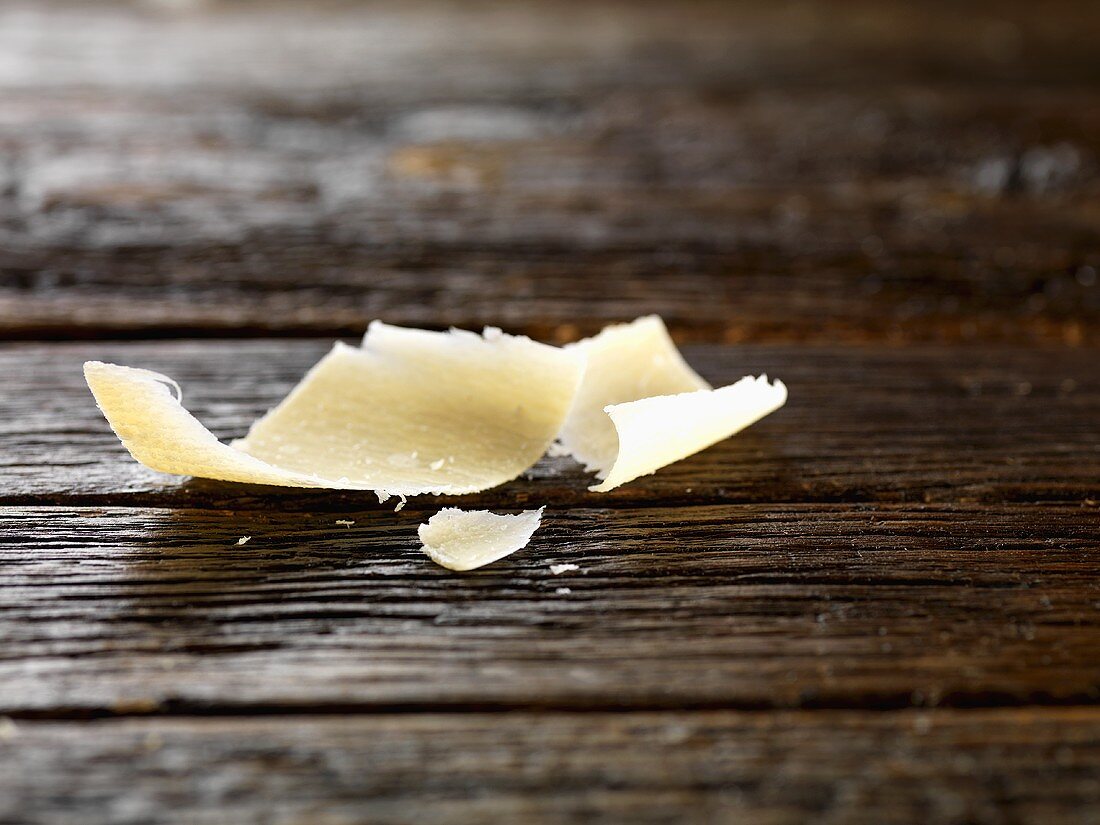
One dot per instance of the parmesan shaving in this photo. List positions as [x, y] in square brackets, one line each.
[558, 569]
[244, 540]
[363, 417]
[467, 539]
[626, 362]
[641, 407]
[162, 435]
[655, 432]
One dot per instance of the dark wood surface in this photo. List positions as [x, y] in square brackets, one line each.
[743, 606]
[878, 605]
[951, 766]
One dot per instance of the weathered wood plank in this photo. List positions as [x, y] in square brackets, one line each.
[114, 610]
[933, 768]
[595, 160]
[554, 45]
[1015, 275]
[595, 215]
[975, 424]
[755, 171]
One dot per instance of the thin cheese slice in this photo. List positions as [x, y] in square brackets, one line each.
[162, 435]
[467, 539]
[655, 432]
[641, 407]
[410, 412]
[626, 362]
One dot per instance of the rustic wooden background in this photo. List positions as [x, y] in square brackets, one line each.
[879, 605]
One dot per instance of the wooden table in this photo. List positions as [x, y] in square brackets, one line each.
[879, 605]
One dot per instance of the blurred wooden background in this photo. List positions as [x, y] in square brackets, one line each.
[879, 605]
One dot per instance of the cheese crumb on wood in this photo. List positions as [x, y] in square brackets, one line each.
[558, 569]
[344, 522]
[492, 403]
[467, 539]
[244, 540]
[8, 729]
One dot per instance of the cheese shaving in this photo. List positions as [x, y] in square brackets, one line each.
[162, 435]
[467, 539]
[655, 432]
[381, 416]
[625, 362]
[363, 417]
[641, 407]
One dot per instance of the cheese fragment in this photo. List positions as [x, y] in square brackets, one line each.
[655, 432]
[641, 407]
[373, 418]
[467, 539]
[162, 435]
[625, 362]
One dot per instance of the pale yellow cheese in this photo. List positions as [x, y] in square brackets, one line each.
[163, 436]
[625, 362]
[412, 412]
[409, 412]
[467, 539]
[641, 407]
[655, 432]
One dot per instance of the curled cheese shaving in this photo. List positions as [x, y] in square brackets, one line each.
[409, 412]
[654, 432]
[641, 407]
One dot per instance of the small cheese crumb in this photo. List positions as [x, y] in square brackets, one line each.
[401, 503]
[345, 522]
[467, 539]
[435, 465]
[8, 729]
[558, 569]
[563, 591]
[244, 540]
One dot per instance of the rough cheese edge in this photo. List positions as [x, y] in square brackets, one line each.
[463, 540]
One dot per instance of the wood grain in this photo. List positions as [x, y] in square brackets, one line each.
[746, 606]
[981, 424]
[236, 191]
[878, 605]
[938, 768]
